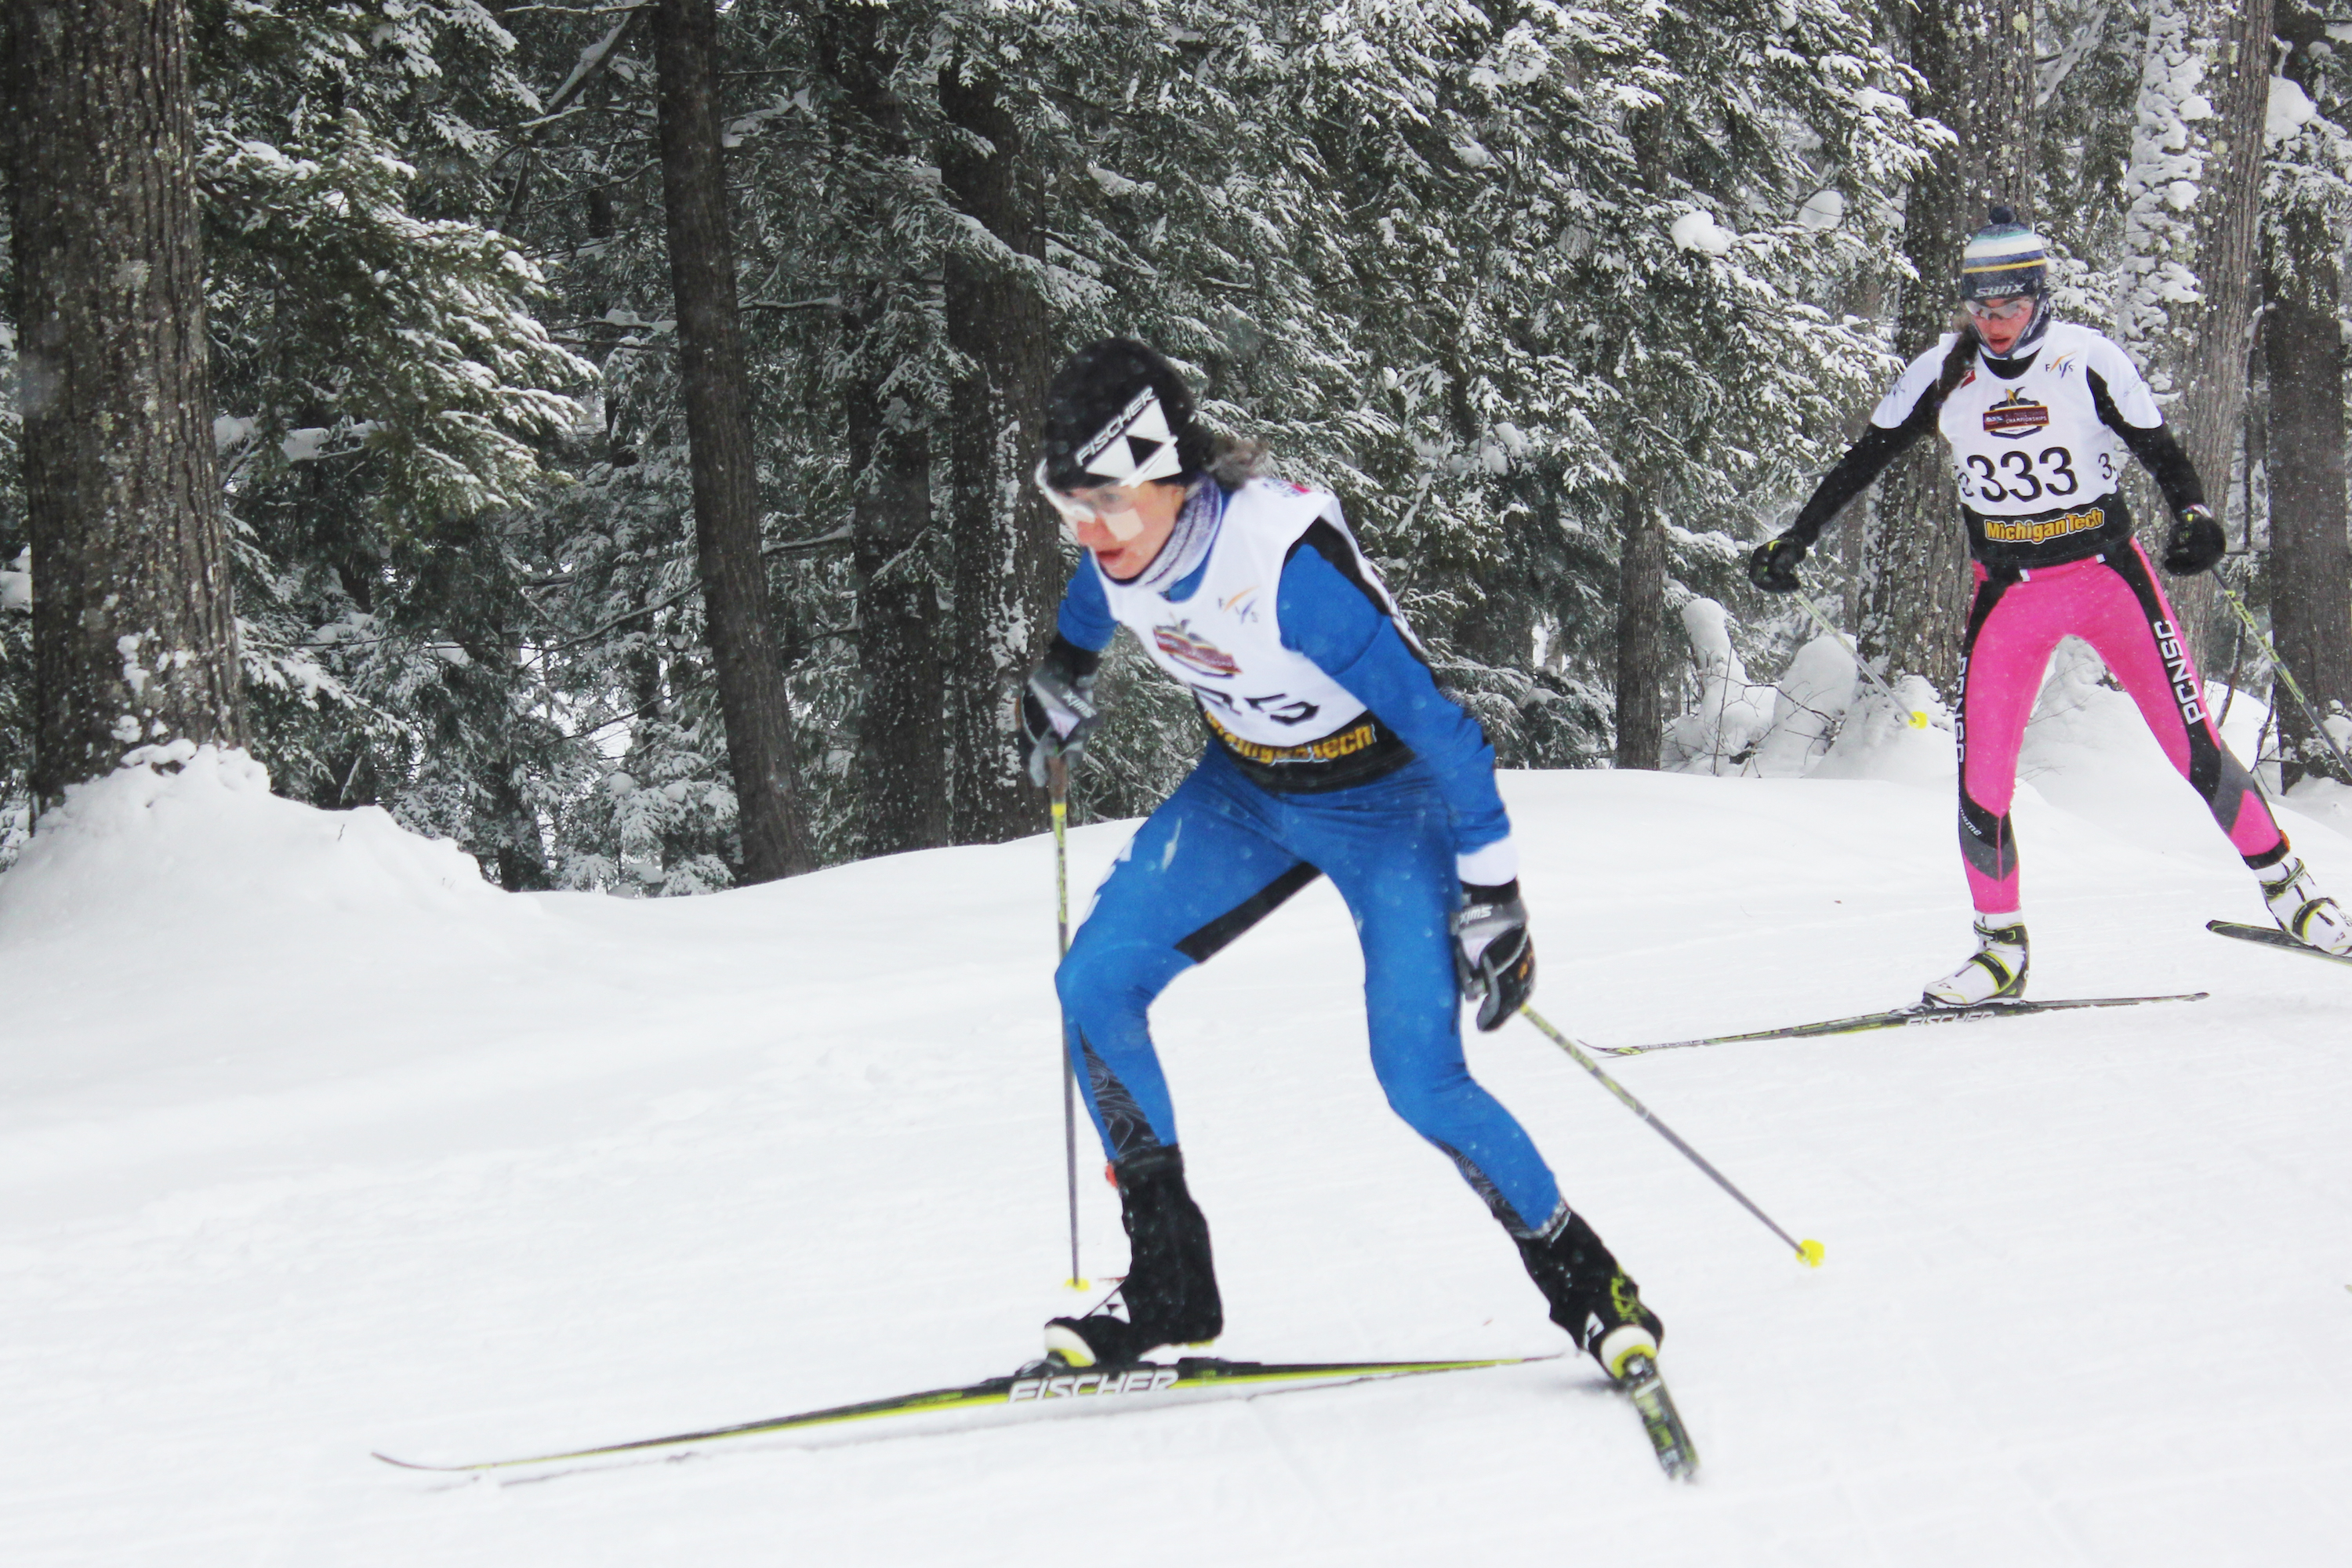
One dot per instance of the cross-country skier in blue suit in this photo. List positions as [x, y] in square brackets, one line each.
[1330, 751]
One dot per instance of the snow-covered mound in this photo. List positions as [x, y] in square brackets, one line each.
[188, 843]
[311, 1144]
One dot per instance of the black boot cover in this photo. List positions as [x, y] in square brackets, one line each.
[1169, 1296]
[1594, 1300]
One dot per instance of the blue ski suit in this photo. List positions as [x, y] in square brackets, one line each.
[1331, 751]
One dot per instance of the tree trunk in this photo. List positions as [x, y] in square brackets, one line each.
[902, 750]
[2194, 185]
[901, 742]
[2311, 560]
[521, 856]
[1978, 57]
[1640, 636]
[1007, 562]
[718, 397]
[135, 632]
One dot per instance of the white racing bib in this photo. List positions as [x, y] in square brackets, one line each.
[1269, 703]
[2032, 456]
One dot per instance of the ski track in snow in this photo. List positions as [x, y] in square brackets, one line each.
[309, 1150]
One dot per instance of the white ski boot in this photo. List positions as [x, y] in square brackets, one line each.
[1994, 971]
[2302, 911]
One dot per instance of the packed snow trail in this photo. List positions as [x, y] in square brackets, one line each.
[311, 1145]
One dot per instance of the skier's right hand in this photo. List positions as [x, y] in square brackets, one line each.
[1773, 566]
[1492, 958]
[1057, 708]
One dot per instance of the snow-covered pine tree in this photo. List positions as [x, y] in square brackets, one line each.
[1489, 273]
[2306, 213]
[1978, 64]
[2184, 285]
[642, 800]
[1445, 208]
[1665, 202]
[385, 390]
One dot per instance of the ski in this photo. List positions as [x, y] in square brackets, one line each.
[2270, 936]
[1659, 1420]
[1918, 1014]
[1046, 1385]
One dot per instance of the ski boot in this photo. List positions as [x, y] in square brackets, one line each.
[2302, 911]
[1170, 1295]
[1593, 1298]
[1995, 971]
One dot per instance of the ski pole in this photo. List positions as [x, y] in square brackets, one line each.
[1057, 778]
[1915, 718]
[1808, 1253]
[2310, 714]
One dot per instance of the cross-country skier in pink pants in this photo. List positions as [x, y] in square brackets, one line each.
[2041, 416]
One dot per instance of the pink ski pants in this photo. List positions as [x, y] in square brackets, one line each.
[2113, 603]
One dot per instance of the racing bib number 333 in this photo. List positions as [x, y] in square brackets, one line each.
[2021, 476]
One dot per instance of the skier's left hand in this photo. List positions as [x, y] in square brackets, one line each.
[1492, 958]
[2195, 543]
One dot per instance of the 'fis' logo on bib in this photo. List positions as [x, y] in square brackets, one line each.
[1189, 649]
[2016, 417]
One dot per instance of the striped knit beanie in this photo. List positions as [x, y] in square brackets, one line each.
[2002, 258]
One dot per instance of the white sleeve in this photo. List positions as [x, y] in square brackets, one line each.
[2134, 400]
[1489, 865]
[1897, 405]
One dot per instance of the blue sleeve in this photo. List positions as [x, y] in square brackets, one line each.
[1085, 616]
[1335, 623]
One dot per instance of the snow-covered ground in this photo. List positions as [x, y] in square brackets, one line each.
[313, 1144]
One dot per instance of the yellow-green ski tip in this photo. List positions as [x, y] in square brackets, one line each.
[1809, 1254]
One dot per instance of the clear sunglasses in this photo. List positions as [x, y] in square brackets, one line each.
[1113, 506]
[2001, 311]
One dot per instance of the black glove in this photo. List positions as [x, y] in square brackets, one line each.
[2195, 543]
[1773, 566]
[1492, 958]
[1057, 708]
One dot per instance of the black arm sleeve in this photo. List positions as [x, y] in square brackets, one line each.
[2154, 446]
[1863, 461]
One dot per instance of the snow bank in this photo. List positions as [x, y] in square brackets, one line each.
[2086, 751]
[1717, 734]
[1815, 692]
[1877, 742]
[188, 842]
